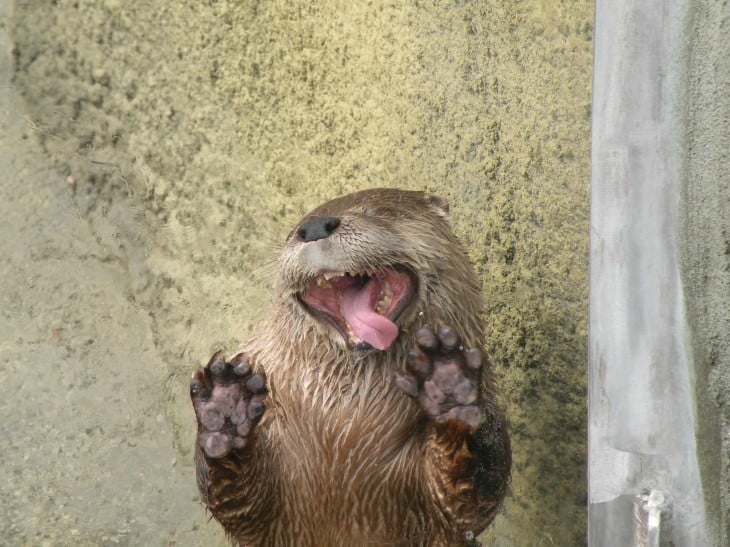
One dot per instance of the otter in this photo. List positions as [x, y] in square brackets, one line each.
[363, 411]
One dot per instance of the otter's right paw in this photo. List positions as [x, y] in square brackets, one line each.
[228, 402]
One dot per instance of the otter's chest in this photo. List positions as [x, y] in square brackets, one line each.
[346, 439]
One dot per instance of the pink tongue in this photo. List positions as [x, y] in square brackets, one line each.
[358, 307]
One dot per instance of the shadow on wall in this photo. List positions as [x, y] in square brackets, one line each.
[198, 134]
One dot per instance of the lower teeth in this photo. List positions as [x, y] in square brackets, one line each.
[383, 303]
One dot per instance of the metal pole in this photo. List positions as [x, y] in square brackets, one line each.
[641, 392]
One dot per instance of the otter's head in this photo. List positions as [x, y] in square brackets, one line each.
[364, 265]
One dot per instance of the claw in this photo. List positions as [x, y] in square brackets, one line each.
[257, 383]
[218, 363]
[408, 385]
[473, 358]
[418, 362]
[240, 365]
[426, 338]
[448, 337]
[197, 387]
[255, 409]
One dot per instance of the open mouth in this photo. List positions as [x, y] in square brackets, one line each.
[362, 307]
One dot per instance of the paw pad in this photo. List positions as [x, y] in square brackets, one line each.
[228, 400]
[445, 378]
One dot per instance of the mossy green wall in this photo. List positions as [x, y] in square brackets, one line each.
[197, 133]
[704, 244]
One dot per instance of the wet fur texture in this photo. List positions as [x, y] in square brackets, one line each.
[341, 456]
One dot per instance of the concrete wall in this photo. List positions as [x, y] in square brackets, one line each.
[197, 133]
[704, 229]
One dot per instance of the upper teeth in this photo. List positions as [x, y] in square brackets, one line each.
[384, 301]
[332, 275]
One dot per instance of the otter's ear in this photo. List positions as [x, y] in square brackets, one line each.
[439, 205]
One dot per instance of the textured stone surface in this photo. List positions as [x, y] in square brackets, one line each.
[705, 249]
[88, 453]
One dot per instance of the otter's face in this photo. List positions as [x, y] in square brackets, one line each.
[351, 263]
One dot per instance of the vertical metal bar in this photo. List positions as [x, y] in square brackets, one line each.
[641, 393]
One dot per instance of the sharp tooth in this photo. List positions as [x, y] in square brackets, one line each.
[330, 275]
[386, 297]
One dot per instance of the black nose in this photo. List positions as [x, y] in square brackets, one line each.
[317, 228]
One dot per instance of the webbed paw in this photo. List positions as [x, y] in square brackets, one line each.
[444, 377]
[229, 401]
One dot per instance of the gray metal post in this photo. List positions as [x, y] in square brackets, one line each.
[641, 395]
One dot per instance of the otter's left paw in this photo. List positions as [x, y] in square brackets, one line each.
[445, 378]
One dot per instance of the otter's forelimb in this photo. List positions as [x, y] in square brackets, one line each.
[466, 439]
[232, 461]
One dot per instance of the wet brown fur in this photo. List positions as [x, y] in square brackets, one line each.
[341, 456]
